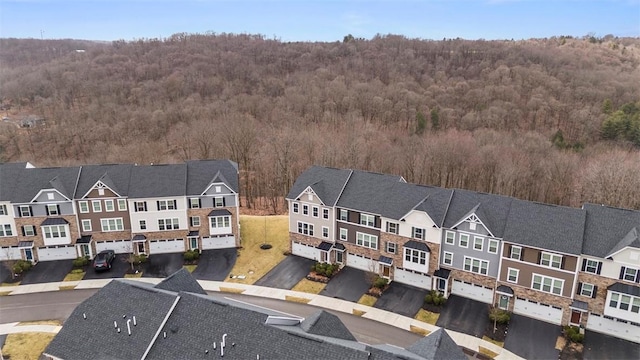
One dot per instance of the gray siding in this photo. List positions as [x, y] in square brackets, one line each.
[40, 209]
[43, 197]
[459, 252]
[209, 201]
[224, 190]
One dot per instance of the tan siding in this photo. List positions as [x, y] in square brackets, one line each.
[526, 271]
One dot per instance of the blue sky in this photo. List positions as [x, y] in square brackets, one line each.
[327, 20]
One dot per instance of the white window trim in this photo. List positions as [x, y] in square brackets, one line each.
[193, 223]
[444, 258]
[325, 213]
[50, 234]
[28, 211]
[117, 222]
[84, 225]
[415, 231]
[391, 246]
[553, 280]
[305, 228]
[166, 203]
[194, 203]
[83, 203]
[396, 227]
[497, 247]
[446, 237]
[305, 209]
[519, 248]
[226, 222]
[122, 205]
[143, 224]
[551, 260]
[363, 238]
[517, 275]
[344, 234]
[315, 211]
[295, 208]
[33, 230]
[175, 224]
[106, 206]
[96, 206]
[218, 201]
[460, 241]
[590, 294]
[475, 239]
[6, 230]
[619, 301]
[367, 220]
[55, 209]
[344, 212]
[480, 263]
[410, 253]
[635, 273]
[595, 270]
[3, 209]
[325, 232]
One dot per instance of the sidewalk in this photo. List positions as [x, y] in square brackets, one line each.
[399, 321]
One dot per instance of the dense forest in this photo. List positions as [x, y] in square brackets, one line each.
[553, 120]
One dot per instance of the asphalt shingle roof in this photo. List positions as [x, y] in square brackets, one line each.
[21, 185]
[608, 229]
[115, 176]
[326, 182]
[438, 345]
[201, 173]
[492, 210]
[625, 289]
[181, 280]
[153, 181]
[326, 324]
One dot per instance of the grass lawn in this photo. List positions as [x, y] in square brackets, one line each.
[190, 268]
[231, 290]
[67, 287]
[253, 262]
[357, 312]
[26, 346]
[487, 352]
[74, 275]
[495, 342]
[308, 286]
[297, 299]
[419, 330]
[427, 316]
[11, 284]
[368, 300]
[133, 276]
[41, 322]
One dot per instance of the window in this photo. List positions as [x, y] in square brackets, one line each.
[220, 222]
[392, 227]
[194, 203]
[108, 206]
[315, 211]
[625, 300]
[5, 230]
[614, 300]
[472, 226]
[325, 214]
[112, 224]
[168, 224]
[415, 256]
[464, 240]
[344, 215]
[86, 225]
[586, 290]
[54, 231]
[635, 306]
[218, 202]
[391, 247]
[218, 189]
[305, 209]
[194, 220]
[52, 209]
[476, 265]
[97, 206]
[551, 260]
[29, 230]
[447, 258]
[325, 232]
[143, 224]
[166, 205]
[591, 266]
[516, 253]
[368, 220]
[629, 274]
[25, 210]
[140, 206]
[122, 205]
[547, 284]
[478, 242]
[296, 208]
[50, 196]
[305, 229]
[493, 246]
[84, 206]
[367, 240]
[343, 234]
[512, 275]
[417, 233]
[3, 210]
[450, 238]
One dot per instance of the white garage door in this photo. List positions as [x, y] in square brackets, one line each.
[60, 252]
[613, 327]
[412, 278]
[119, 246]
[306, 251]
[538, 311]
[361, 262]
[472, 291]
[222, 242]
[166, 246]
[10, 253]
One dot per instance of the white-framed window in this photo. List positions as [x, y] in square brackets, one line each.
[5, 230]
[140, 206]
[516, 252]
[417, 233]
[3, 210]
[166, 205]
[325, 232]
[367, 240]
[551, 260]
[52, 209]
[368, 220]
[628, 273]
[305, 209]
[464, 240]
[114, 224]
[547, 284]
[96, 205]
[168, 224]
[195, 221]
[220, 222]
[29, 230]
[86, 225]
[450, 237]
[305, 228]
[625, 302]
[476, 265]
[586, 290]
[415, 256]
[24, 210]
[391, 247]
[493, 246]
[143, 224]
[54, 231]
[344, 215]
[50, 196]
[315, 212]
[218, 202]
[591, 266]
[478, 243]
[392, 228]
[218, 189]
[295, 207]
[344, 234]
[122, 204]
[108, 206]
[194, 203]
[447, 258]
[83, 206]
[325, 214]
[472, 226]
[512, 275]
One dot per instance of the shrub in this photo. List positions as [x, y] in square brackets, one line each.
[573, 334]
[325, 269]
[139, 259]
[380, 283]
[499, 316]
[191, 255]
[21, 266]
[80, 262]
[435, 297]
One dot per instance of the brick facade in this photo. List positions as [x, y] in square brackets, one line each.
[38, 240]
[534, 295]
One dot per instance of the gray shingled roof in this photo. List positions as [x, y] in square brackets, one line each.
[492, 210]
[418, 245]
[115, 176]
[606, 228]
[326, 182]
[21, 185]
[154, 181]
[438, 345]
[201, 173]
[326, 324]
[551, 227]
[181, 280]
[625, 289]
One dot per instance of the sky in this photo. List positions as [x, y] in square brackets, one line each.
[313, 20]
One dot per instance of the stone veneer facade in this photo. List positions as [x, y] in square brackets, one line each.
[203, 229]
[38, 240]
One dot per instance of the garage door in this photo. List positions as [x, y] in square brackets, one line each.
[539, 311]
[119, 246]
[613, 327]
[10, 253]
[306, 251]
[166, 246]
[222, 242]
[412, 278]
[472, 291]
[361, 262]
[60, 252]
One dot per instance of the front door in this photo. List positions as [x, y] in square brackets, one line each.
[28, 254]
[575, 317]
[84, 250]
[504, 302]
[339, 257]
[140, 248]
[441, 284]
[323, 256]
[193, 243]
[386, 272]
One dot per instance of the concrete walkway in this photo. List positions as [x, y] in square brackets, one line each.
[399, 321]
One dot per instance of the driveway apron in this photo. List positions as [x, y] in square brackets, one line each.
[349, 284]
[287, 273]
[118, 269]
[464, 315]
[601, 346]
[216, 264]
[162, 265]
[532, 339]
[401, 299]
[47, 271]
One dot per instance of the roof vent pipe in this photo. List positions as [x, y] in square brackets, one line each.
[135, 323]
[84, 316]
[129, 326]
[115, 324]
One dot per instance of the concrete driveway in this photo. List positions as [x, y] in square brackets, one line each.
[287, 273]
[532, 339]
[47, 271]
[601, 346]
[118, 269]
[215, 264]
[162, 265]
[348, 285]
[401, 299]
[464, 315]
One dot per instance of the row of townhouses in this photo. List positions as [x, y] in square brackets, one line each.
[69, 212]
[557, 264]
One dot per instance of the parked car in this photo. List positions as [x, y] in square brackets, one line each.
[104, 260]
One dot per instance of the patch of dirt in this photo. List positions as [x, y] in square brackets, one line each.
[376, 291]
[432, 308]
[572, 351]
[500, 334]
[313, 276]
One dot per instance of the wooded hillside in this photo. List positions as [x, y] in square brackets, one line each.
[546, 120]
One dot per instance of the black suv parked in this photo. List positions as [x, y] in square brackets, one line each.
[103, 260]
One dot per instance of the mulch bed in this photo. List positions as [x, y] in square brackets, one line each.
[376, 291]
[432, 308]
[500, 334]
[313, 276]
[572, 351]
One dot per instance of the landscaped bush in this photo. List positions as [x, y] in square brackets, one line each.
[80, 262]
[380, 282]
[435, 297]
[139, 259]
[499, 316]
[573, 334]
[21, 266]
[325, 269]
[191, 255]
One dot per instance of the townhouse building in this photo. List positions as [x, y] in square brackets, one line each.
[553, 263]
[68, 212]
